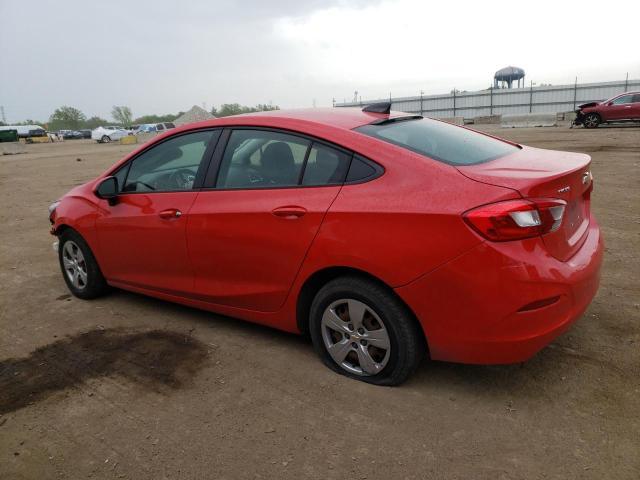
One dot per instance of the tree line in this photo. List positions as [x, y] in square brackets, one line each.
[71, 118]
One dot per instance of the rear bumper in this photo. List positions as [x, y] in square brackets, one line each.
[471, 309]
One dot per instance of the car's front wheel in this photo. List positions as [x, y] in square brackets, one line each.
[592, 120]
[79, 267]
[361, 330]
[105, 139]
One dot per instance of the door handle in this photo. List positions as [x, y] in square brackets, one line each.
[170, 213]
[291, 212]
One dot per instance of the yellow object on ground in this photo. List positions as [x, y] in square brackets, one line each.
[44, 139]
[128, 140]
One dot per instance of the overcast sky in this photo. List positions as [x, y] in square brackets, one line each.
[163, 56]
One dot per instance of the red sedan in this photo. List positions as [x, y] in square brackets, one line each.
[383, 236]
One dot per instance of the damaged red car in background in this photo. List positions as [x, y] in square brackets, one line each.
[621, 108]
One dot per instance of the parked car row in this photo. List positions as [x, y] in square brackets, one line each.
[74, 134]
[101, 134]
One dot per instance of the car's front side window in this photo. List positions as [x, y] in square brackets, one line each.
[262, 159]
[170, 166]
[623, 99]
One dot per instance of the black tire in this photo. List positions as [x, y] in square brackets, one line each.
[105, 139]
[407, 345]
[95, 285]
[591, 120]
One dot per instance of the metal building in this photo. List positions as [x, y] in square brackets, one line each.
[492, 101]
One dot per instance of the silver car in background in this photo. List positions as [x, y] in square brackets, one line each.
[109, 134]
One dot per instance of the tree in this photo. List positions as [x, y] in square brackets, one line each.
[169, 117]
[122, 115]
[95, 122]
[68, 118]
[227, 109]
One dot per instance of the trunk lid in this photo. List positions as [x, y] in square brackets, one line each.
[538, 173]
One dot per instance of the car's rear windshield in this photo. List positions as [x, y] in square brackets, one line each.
[439, 140]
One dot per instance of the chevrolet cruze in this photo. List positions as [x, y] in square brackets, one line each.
[382, 236]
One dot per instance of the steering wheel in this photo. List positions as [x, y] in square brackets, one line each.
[254, 176]
[182, 178]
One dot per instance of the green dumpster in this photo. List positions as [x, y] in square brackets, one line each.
[8, 135]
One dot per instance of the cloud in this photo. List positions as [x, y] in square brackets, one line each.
[165, 56]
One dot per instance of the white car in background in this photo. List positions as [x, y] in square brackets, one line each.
[109, 134]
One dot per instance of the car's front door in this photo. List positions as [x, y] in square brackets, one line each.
[620, 108]
[142, 236]
[249, 233]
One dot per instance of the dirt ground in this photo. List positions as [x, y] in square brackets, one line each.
[131, 387]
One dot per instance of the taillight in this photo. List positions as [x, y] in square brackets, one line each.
[516, 219]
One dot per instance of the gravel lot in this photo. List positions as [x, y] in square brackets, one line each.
[131, 387]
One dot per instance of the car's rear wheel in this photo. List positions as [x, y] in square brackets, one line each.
[106, 139]
[592, 120]
[79, 267]
[361, 330]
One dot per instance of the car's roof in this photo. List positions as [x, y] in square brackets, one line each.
[342, 117]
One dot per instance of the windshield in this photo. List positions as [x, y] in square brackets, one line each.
[440, 141]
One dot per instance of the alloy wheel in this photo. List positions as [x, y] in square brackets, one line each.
[355, 337]
[591, 121]
[75, 265]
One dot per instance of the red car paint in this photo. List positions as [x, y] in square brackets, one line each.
[250, 253]
[623, 107]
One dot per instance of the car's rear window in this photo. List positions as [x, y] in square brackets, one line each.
[440, 141]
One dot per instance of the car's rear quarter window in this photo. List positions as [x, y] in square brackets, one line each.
[440, 141]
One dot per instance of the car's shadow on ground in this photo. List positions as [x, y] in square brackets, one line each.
[534, 377]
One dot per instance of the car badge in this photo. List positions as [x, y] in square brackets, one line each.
[564, 189]
[586, 177]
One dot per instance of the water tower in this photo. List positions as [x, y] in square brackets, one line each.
[505, 77]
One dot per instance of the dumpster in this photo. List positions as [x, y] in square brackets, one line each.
[8, 135]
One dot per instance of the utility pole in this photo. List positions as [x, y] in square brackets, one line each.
[454, 101]
[421, 101]
[4, 119]
[491, 100]
[531, 97]
[626, 83]
[575, 92]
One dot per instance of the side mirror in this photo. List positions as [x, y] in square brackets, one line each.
[108, 190]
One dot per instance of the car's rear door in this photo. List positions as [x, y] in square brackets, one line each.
[142, 237]
[635, 107]
[249, 231]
